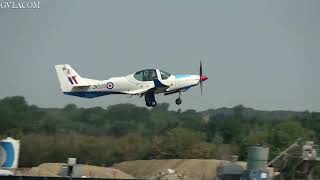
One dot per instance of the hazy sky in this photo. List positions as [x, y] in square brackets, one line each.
[262, 54]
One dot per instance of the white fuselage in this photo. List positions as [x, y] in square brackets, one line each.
[140, 83]
[130, 85]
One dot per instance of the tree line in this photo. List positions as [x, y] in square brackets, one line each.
[103, 136]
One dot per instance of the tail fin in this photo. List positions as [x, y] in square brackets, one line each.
[69, 78]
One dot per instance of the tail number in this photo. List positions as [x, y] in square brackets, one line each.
[108, 85]
[73, 80]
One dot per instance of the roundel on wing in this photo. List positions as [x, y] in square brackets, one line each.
[110, 85]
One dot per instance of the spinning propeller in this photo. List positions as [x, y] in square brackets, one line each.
[202, 77]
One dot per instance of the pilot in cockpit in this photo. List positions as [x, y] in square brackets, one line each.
[151, 75]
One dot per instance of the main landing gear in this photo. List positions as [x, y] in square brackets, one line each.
[151, 103]
[178, 100]
[150, 99]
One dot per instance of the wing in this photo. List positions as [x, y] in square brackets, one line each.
[156, 85]
[139, 91]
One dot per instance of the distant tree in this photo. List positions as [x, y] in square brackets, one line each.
[70, 107]
[229, 129]
[132, 147]
[238, 111]
[201, 150]
[176, 143]
[161, 107]
[285, 133]
[126, 132]
[190, 119]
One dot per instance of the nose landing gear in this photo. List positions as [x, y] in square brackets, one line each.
[178, 100]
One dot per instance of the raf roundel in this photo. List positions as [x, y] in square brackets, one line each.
[110, 85]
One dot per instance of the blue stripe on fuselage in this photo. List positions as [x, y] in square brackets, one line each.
[90, 94]
[182, 76]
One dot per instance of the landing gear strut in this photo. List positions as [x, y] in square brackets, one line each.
[150, 99]
[178, 100]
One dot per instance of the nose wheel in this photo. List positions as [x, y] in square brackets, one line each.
[178, 100]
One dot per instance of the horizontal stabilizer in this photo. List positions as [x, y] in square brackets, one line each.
[82, 85]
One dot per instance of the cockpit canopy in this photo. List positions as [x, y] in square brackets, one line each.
[164, 75]
[150, 75]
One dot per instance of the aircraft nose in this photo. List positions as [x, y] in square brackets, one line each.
[203, 78]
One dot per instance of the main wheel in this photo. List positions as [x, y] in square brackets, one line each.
[154, 103]
[151, 103]
[178, 101]
[148, 104]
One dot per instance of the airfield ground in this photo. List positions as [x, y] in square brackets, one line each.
[191, 168]
[54, 170]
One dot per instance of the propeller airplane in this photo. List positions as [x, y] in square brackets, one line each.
[145, 83]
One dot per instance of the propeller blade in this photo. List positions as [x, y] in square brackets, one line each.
[200, 69]
[200, 80]
[201, 87]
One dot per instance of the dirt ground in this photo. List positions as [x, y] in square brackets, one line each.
[191, 168]
[199, 169]
[55, 169]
